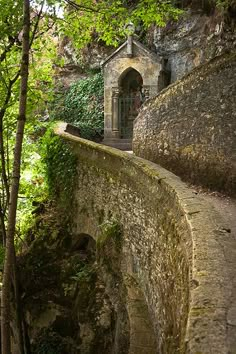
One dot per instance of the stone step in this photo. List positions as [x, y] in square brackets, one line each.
[115, 140]
[121, 144]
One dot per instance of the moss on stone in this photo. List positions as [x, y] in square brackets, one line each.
[154, 208]
[200, 311]
[109, 230]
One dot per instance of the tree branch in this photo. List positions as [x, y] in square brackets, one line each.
[2, 152]
[37, 23]
[7, 49]
[81, 7]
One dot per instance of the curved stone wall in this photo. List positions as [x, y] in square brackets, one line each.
[173, 243]
[190, 128]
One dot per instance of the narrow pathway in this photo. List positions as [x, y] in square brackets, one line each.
[226, 207]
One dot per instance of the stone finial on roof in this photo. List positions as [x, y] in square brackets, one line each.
[130, 29]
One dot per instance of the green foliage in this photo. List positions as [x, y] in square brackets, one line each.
[11, 17]
[49, 342]
[225, 4]
[109, 229]
[85, 273]
[60, 168]
[154, 12]
[32, 186]
[105, 20]
[82, 105]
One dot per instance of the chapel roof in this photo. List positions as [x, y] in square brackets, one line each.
[136, 43]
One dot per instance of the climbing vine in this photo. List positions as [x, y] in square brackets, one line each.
[109, 229]
[82, 105]
[60, 168]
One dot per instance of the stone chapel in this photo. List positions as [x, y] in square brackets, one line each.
[132, 74]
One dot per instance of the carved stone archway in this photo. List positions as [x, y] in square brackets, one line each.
[129, 60]
[131, 98]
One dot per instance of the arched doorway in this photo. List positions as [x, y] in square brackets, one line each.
[130, 100]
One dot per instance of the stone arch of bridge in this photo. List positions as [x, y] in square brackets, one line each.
[84, 243]
[133, 306]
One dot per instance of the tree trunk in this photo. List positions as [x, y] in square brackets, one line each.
[9, 255]
[18, 309]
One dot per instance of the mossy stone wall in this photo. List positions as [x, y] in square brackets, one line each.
[190, 128]
[173, 243]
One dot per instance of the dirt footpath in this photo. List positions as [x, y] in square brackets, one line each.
[226, 206]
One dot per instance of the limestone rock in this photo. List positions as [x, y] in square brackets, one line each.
[192, 41]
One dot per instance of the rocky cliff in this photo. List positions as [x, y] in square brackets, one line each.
[198, 36]
[193, 40]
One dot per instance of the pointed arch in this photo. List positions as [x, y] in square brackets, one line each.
[130, 100]
[126, 72]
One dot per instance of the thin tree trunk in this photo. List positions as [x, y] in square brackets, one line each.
[2, 150]
[3, 228]
[18, 308]
[9, 255]
[2, 156]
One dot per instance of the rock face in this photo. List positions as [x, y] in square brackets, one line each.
[190, 127]
[192, 41]
[78, 63]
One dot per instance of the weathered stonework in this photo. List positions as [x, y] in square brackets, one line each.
[145, 63]
[190, 127]
[174, 245]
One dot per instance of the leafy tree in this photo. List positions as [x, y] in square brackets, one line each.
[106, 20]
[10, 250]
[14, 85]
[39, 85]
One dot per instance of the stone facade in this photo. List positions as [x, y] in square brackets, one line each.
[190, 127]
[173, 244]
[132, 55]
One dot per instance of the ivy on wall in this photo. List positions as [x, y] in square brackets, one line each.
[82, 106]
[60, 168]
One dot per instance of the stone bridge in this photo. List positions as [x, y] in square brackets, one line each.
[175, 247]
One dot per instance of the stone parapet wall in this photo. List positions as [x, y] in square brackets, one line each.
[174, 244]
[190, 127]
